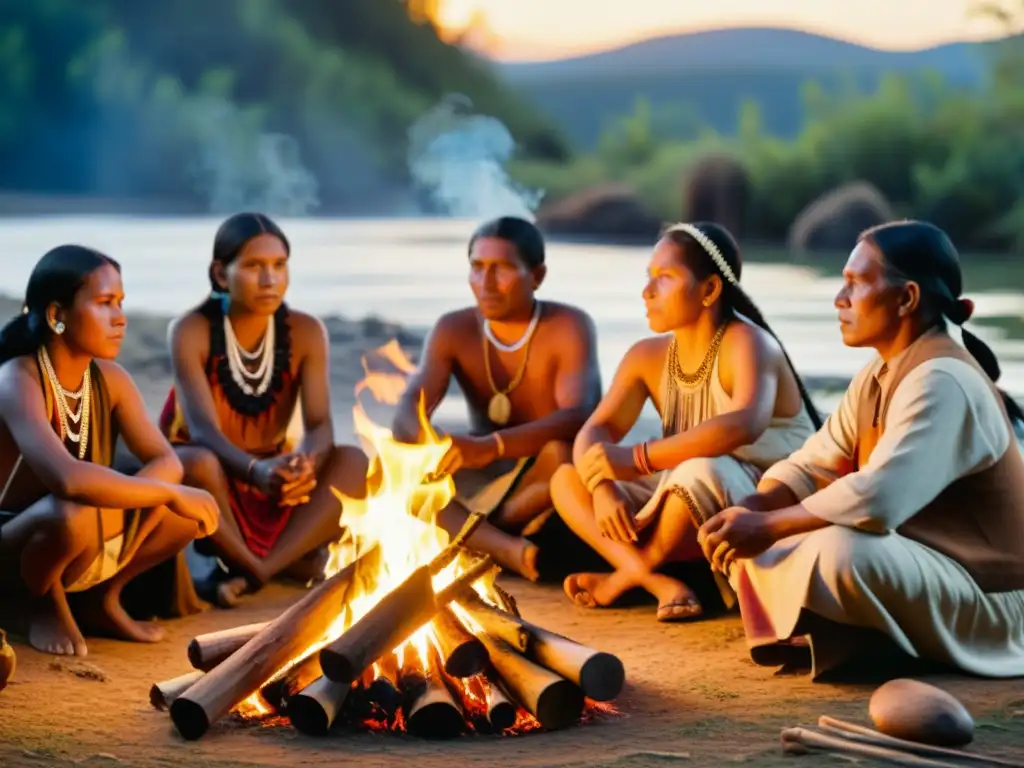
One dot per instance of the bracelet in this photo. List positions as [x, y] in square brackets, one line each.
[641, 459]
[248, 470]
[499, 443]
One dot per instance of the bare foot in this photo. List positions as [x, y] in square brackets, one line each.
[676, 601]
[309, 568]
[53, 629]
[229, 593]
[597, 590]
[104, 613]
[528, 560]
[520, 558]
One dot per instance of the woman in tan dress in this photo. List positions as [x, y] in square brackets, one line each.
[730, 403]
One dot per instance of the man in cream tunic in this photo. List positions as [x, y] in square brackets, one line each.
[903, 517]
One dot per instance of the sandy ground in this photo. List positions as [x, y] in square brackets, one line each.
[692, 695]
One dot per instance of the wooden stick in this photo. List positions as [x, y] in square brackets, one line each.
[162, 695]
[287, 637]
[283, 686]
[871, 736]
[801, 741]
[431, 711]
[392, 620]
[463, 654]
[601, 675]
[207, 651]
[553, 700]
[501, 712]
[314, 709]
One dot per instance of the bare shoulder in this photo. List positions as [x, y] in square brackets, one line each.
[747, 338]
[189, 331]
[647, 354]
[454, 326]
[568, 319]
[117, 380]
[16, 374]
[309, 334]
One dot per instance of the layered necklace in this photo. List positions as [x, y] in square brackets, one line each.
[499, 409]
[255, 382]
[688, 397]
[250, 381]
[65, 416]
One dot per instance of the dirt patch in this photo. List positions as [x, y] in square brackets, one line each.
[692, 698]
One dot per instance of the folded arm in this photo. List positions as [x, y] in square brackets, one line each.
[315, 389]
[189, 341]
[23, 409]
[753, 373]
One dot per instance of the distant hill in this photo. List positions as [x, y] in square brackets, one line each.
[714, 72]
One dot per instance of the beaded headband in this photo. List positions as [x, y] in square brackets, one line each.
[709, 247]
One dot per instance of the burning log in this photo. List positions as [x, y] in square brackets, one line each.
[292, 633]
[314, 709]
[207, 651]
[501, 712]
[463, 654]
[600, 675]
[382, 692]
[162, 695]
[553, 700]
[392, 620]
[280, 690]
[431, 711]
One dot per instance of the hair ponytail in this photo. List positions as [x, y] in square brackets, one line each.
[737, 300]
[22, 335]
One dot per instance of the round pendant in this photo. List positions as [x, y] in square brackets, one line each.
[500, 409]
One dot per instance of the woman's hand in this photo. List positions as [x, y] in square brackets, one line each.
[197, 505]
[607, 461]
[613, 514]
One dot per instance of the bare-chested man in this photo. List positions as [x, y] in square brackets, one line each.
[529, 373]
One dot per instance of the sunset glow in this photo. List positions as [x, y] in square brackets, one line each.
[524, 29]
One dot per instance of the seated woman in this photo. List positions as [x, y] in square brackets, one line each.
[243, 361]
[731, 405]
[70, 523]
[897, 531]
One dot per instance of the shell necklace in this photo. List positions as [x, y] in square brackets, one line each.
[257, 382]
[499, 409]
[64, 414]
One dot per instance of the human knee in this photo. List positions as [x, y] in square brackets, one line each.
[203, 469]
[564, 481]
[347, 467]
[698, 482]
[847, 557]
[555, 454]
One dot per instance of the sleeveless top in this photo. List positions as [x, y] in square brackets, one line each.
[684, 406]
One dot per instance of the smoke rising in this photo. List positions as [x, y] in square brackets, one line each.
[458, 159]
[241, 168]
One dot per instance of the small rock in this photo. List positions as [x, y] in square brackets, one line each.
[915, 711]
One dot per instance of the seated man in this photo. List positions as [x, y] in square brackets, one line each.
[243, 361]
[529, 373]
[69, 523]
[899, 526]
[742, 409]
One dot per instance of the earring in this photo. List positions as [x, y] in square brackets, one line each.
[225, 302]
[59, 328]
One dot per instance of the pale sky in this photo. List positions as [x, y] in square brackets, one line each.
[523, 29]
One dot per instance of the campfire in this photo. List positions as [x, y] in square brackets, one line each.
[407, 632]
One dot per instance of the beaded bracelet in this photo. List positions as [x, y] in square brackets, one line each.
[641, 459]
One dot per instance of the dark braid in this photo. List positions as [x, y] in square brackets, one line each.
[734, 298]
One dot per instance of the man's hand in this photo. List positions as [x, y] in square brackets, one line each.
[198, 505]
[607, 461]
[469, 452]
[613, 514]
[735, 533]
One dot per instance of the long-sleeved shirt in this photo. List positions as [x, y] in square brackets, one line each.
[942, 424]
